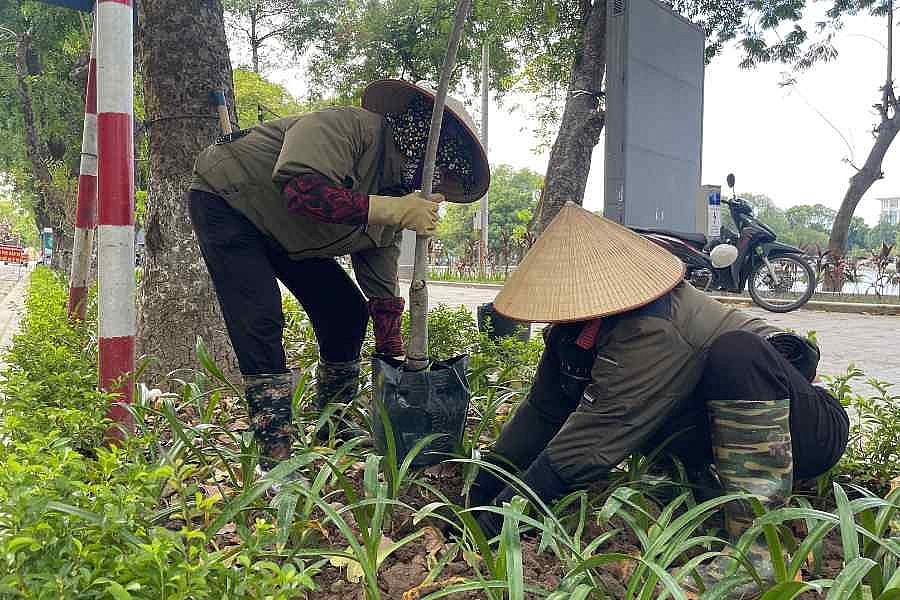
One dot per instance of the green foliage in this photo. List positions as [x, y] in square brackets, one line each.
[512, 199]
[252, 90]
[61, 42]
[16, 222]
[178, 513]
[290, 24]
[808, 226]
[77, 518]
[49, 384]
[884, 232]
[873, 451]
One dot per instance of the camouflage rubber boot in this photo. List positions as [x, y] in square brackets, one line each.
[269, 403]
[335, 382]
[752, 446]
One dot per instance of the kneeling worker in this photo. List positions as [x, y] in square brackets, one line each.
[636, 355]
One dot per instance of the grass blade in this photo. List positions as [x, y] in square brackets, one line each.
[512, 549]
[847, 582]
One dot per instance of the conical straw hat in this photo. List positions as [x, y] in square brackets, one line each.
[585, 266]
[393, 95]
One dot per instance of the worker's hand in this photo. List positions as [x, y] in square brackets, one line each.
[411, 211]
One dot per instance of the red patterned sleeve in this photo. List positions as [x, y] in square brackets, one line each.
[317, 197]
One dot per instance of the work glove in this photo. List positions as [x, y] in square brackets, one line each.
[541, 478]
[387, 314]
[412, 211]
[799, 351]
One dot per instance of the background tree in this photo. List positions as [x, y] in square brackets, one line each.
[513, 197]
[16, 220]
[252, 91]
[290, 23]
[176, 301]
[884, 232]
[768, 44]
[43, 50]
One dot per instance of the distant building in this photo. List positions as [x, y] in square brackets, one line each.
[890, 210]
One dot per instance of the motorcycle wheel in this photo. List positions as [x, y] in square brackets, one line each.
[795, 286]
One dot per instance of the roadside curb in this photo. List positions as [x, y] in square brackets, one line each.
[858, 308]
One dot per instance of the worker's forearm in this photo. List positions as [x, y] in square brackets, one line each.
[317, 197]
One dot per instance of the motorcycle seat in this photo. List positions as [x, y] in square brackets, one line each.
[697, 239]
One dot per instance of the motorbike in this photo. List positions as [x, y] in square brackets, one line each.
[775, 274]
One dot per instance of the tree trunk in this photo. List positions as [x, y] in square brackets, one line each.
[50, 209]
[184, 56]
[871, 172]
[35, 151]
[860, 183]
[254, 41]
[582, 121]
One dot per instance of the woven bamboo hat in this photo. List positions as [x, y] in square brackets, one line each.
[393, 95]
[585, 266]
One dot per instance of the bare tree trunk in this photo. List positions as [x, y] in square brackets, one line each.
[870, 172]
[582, 121]
[35, 151]
[860, 183]
[50, 209]
[254, 41]
[184, 56]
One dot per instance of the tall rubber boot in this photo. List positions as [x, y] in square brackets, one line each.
[269, 402]
[336, 382]
[752, 448]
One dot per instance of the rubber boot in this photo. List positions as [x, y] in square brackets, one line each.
[752, 448]
[269, 402]
[336, 382]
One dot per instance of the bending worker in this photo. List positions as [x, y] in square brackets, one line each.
[636, 356]
[281, 200]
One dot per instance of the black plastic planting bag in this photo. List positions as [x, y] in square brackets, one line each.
[419, 403]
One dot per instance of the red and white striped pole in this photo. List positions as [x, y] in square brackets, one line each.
[86, 208]
[115, 64]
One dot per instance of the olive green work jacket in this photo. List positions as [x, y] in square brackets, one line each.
[350, 146]
[648, 361]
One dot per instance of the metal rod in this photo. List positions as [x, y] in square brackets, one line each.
[417, 351]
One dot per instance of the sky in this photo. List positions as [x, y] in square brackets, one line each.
[787, 143]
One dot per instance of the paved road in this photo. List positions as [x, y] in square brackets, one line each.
[868, 341]
[12, 297]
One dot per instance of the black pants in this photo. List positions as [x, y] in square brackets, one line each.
[740, 366]
[245, 264]
[743, 366]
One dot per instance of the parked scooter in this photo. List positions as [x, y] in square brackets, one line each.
[777, 276]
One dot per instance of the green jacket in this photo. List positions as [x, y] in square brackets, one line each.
[648, 361]
[351, 146]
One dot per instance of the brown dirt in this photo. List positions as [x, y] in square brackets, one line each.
[402, 575]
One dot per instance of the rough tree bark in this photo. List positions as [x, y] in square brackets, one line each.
[184, 56]
[582, 121]
[862, 180]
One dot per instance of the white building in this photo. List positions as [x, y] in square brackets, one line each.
[890, 210]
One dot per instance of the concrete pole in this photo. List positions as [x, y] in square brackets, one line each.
[115, 145]
[86, 203]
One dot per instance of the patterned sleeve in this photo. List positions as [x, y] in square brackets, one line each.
[317, 197]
